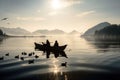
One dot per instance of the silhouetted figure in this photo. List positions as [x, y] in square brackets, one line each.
[56, 49]
[17, 57]
[47, 43]
[47, 46]
[1, 58]
[36, 56]
[7, 54]
[64, 64]
[56, 44]
[31, 61]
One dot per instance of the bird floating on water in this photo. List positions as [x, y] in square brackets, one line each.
[24, 53]
[22, 58]
[17, 56]
[30, 54]
[64, 64]
[7, 54]
[36, 56]
[1, 58]
[31, 61]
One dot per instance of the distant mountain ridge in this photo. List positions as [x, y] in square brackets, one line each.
[15, 31]
[74, 32]
[22, 32]
[91, 31]
[46, 32]
[55, 32]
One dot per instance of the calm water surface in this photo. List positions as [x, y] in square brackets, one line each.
[83, 54]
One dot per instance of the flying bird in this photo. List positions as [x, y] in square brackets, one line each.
[4, 19]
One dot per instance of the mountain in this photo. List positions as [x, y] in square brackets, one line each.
[91, 31]
[57, 31]
[39, 32]
[74, 32]
[15, 31]
[111, 32]
[49, 32]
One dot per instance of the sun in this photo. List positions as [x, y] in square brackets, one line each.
[56, 4]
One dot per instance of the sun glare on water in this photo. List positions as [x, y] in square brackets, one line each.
[56, 4]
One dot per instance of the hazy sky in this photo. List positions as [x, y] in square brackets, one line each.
[61, 14]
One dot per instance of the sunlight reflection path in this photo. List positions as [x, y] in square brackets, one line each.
[57, 71]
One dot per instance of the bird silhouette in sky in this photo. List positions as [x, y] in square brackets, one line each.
[4, 19]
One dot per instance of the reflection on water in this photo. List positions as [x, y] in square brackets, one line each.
[2, 39]
[86, 59]
[104, 45]
[60, 54]
[56, 67]
[57, 72]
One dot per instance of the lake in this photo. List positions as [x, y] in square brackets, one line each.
[87, 59]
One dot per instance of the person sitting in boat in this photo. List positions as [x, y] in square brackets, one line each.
[47, 43]
[56, 44]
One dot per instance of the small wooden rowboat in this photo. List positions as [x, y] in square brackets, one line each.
[44, 47]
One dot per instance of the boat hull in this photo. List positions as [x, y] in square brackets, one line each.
[41, 47]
